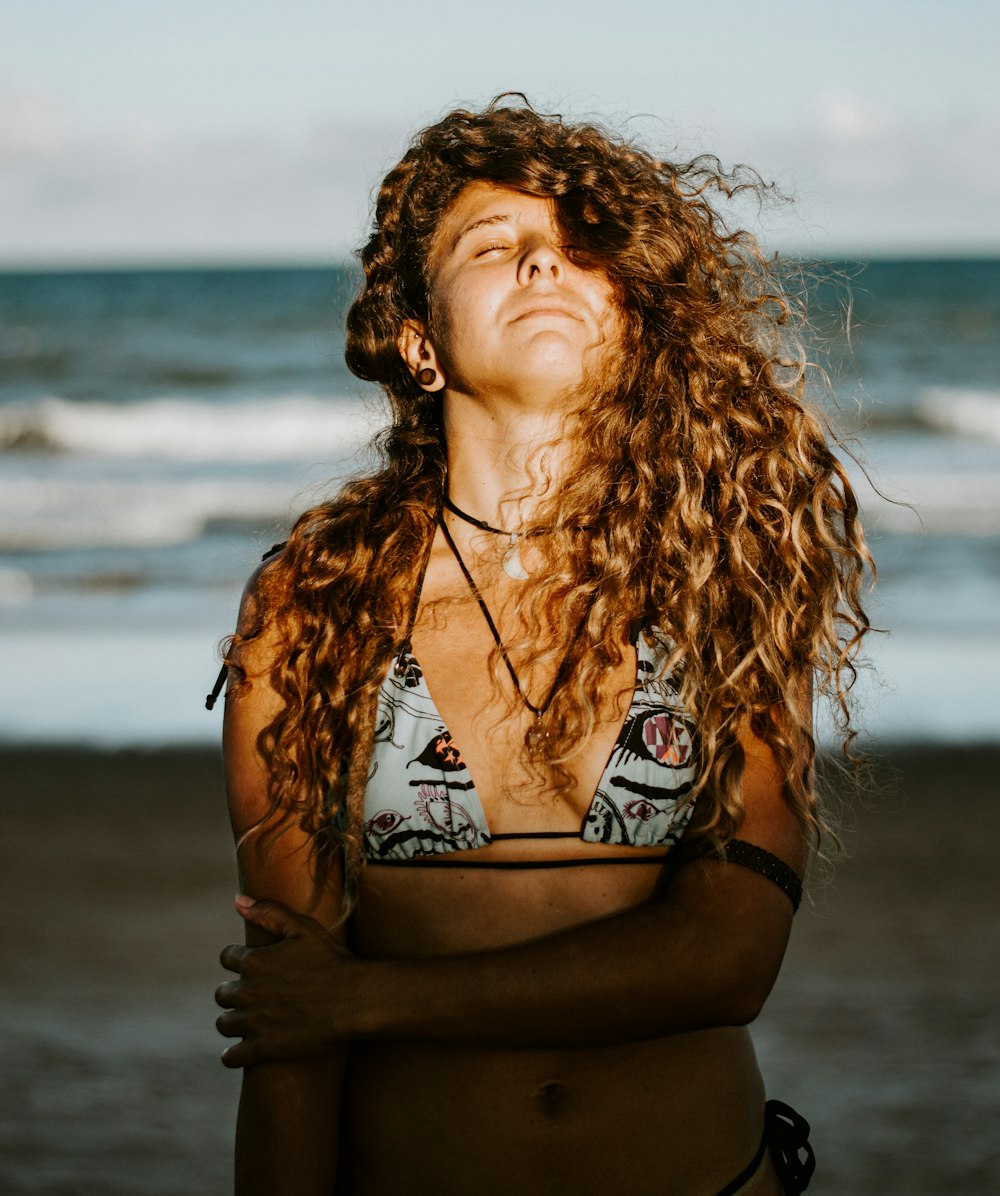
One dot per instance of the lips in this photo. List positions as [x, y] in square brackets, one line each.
[547, 309]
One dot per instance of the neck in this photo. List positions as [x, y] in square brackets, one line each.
[501, 462]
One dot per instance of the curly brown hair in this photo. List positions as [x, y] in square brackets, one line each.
[713, 503]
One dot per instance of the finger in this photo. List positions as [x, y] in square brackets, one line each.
[232, 957]
[227, 994]
[231, 1024]
[240, 1054]
[272, 916]
[253, 1050]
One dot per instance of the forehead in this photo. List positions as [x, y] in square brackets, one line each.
[480, 204]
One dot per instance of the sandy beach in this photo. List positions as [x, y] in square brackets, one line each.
[117, 883]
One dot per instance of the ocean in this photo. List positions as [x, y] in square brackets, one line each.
[157, 432]
[159, 429]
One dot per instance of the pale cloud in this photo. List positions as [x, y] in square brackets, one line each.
[852, 142]
[31, 125]
[869, 179]
[853, 120]
[87, 198]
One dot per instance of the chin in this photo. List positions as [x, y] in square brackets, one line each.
[552, 371]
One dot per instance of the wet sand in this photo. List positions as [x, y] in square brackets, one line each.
[116, 885]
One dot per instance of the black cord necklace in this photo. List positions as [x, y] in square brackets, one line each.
[480, 523]
[512, 564]
[560, 676]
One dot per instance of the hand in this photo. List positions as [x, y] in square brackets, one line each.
[284, 1003]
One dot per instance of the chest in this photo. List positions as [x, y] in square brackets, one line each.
[425, 796]
[468, 692]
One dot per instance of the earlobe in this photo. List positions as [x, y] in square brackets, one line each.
[417, 352]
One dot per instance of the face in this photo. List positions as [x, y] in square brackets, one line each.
[512, 317]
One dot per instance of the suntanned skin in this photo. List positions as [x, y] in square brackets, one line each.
[554, 1030]
[281, 1144]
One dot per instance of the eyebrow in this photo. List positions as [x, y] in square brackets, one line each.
[499, 218]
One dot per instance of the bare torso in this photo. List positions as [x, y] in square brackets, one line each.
[681, 1114]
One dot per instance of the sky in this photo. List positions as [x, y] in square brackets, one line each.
[185, 131]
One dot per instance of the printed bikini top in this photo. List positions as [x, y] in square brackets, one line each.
[421, 800]
[421, 803]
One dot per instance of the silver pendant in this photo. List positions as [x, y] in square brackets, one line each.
[537, 737]
[512, 564]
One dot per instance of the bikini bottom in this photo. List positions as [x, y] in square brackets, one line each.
[786, 1136]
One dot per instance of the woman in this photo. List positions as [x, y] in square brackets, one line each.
[519, 749]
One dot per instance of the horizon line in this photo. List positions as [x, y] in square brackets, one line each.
[207, 262]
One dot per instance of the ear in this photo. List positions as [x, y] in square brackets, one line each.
[416, 350]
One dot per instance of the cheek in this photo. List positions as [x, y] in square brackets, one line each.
[605, 304]
[461, 320]
[612, 322]
[441, 323]
[453, 307]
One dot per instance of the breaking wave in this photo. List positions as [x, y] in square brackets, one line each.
[285, 428]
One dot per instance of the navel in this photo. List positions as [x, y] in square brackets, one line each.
[552, 1098]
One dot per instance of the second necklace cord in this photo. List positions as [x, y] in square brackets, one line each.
[559, 678]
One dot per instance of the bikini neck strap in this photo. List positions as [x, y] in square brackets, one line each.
[403, 648]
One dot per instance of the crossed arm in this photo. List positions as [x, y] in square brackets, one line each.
[286, 1138]
[705, 954]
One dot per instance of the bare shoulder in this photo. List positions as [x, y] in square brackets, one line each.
[769, 822]
[252, 704]
[277, 858]
[251, 700]
[252, 623]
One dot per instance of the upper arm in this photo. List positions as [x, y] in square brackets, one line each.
[768, 820]
[277, 859]
[285, 1138]
[742, 914]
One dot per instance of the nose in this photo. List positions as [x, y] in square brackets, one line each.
[541, 259]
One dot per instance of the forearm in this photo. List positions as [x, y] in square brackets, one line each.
[287, 1128]
[667, 968]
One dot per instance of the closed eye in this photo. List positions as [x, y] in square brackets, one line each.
[491, 247]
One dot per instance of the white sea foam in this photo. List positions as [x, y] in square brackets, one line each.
[88, 504]
[99, 676]
[288, 427]
[95, 700]
[16, 587]
[52, 513]
[941, 688]
[915, 503]
[963, 412]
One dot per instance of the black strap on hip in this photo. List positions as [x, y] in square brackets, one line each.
[787, 1135]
